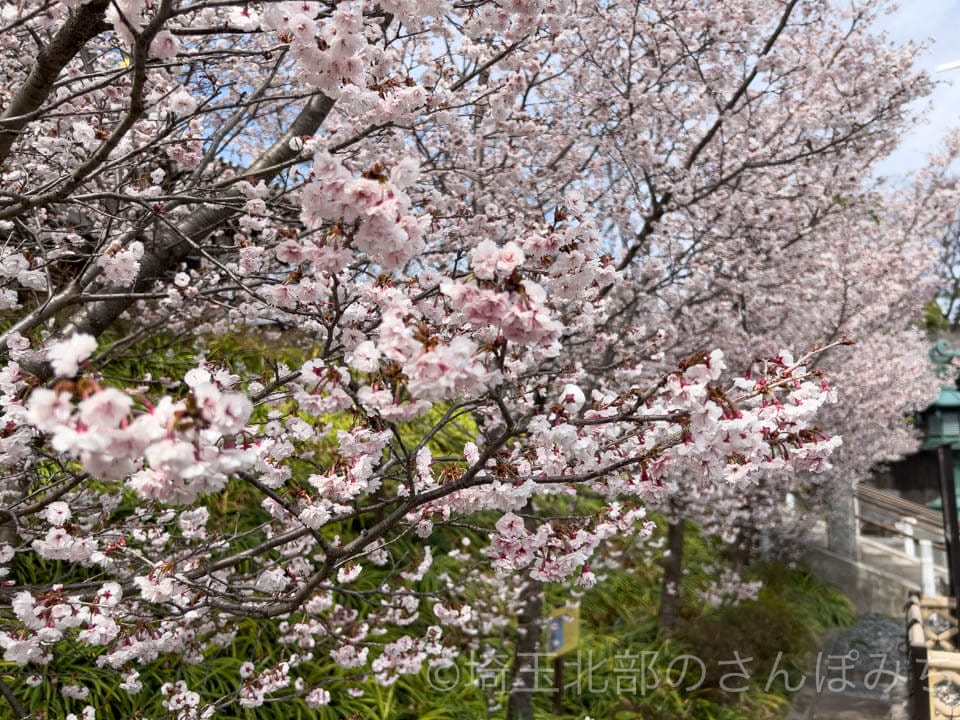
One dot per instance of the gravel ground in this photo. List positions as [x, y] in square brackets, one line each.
[858, 674]
[873, 646]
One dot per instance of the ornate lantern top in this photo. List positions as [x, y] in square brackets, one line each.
[941, 421]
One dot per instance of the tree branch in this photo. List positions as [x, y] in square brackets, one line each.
[82, 26]
[169, 249]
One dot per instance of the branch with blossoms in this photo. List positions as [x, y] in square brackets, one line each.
[184, 452]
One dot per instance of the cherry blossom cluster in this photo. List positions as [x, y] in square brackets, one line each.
[729, 589]
[173, 451]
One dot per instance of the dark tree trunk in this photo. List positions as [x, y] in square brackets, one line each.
[523, 674]
[672, 574]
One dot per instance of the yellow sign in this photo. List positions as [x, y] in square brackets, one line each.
[563, 631]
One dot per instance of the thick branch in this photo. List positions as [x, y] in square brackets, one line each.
[139, 58]
[169, 247]
[735, 98]
[82, 26]
[19, 710]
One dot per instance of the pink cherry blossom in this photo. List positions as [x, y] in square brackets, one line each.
[65, 357]
[58, 513]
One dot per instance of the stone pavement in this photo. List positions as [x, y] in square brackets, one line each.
[840, 707]
[860, 672]
[878, 583]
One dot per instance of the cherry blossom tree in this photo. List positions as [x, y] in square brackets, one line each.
[876, 246]
[589, 237]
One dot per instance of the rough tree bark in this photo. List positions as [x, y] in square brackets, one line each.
[672, 574]
[523, 673]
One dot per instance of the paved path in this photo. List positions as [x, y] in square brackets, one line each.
[860, 674]
[873, 686]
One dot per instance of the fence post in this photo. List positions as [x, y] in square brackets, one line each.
[928, 580]
[919, 699]
[843, 525]
[906, 526]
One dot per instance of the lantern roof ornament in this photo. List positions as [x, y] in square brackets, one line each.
[941, 421]
[942, 354]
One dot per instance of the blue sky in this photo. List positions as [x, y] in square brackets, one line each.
[938, 22]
